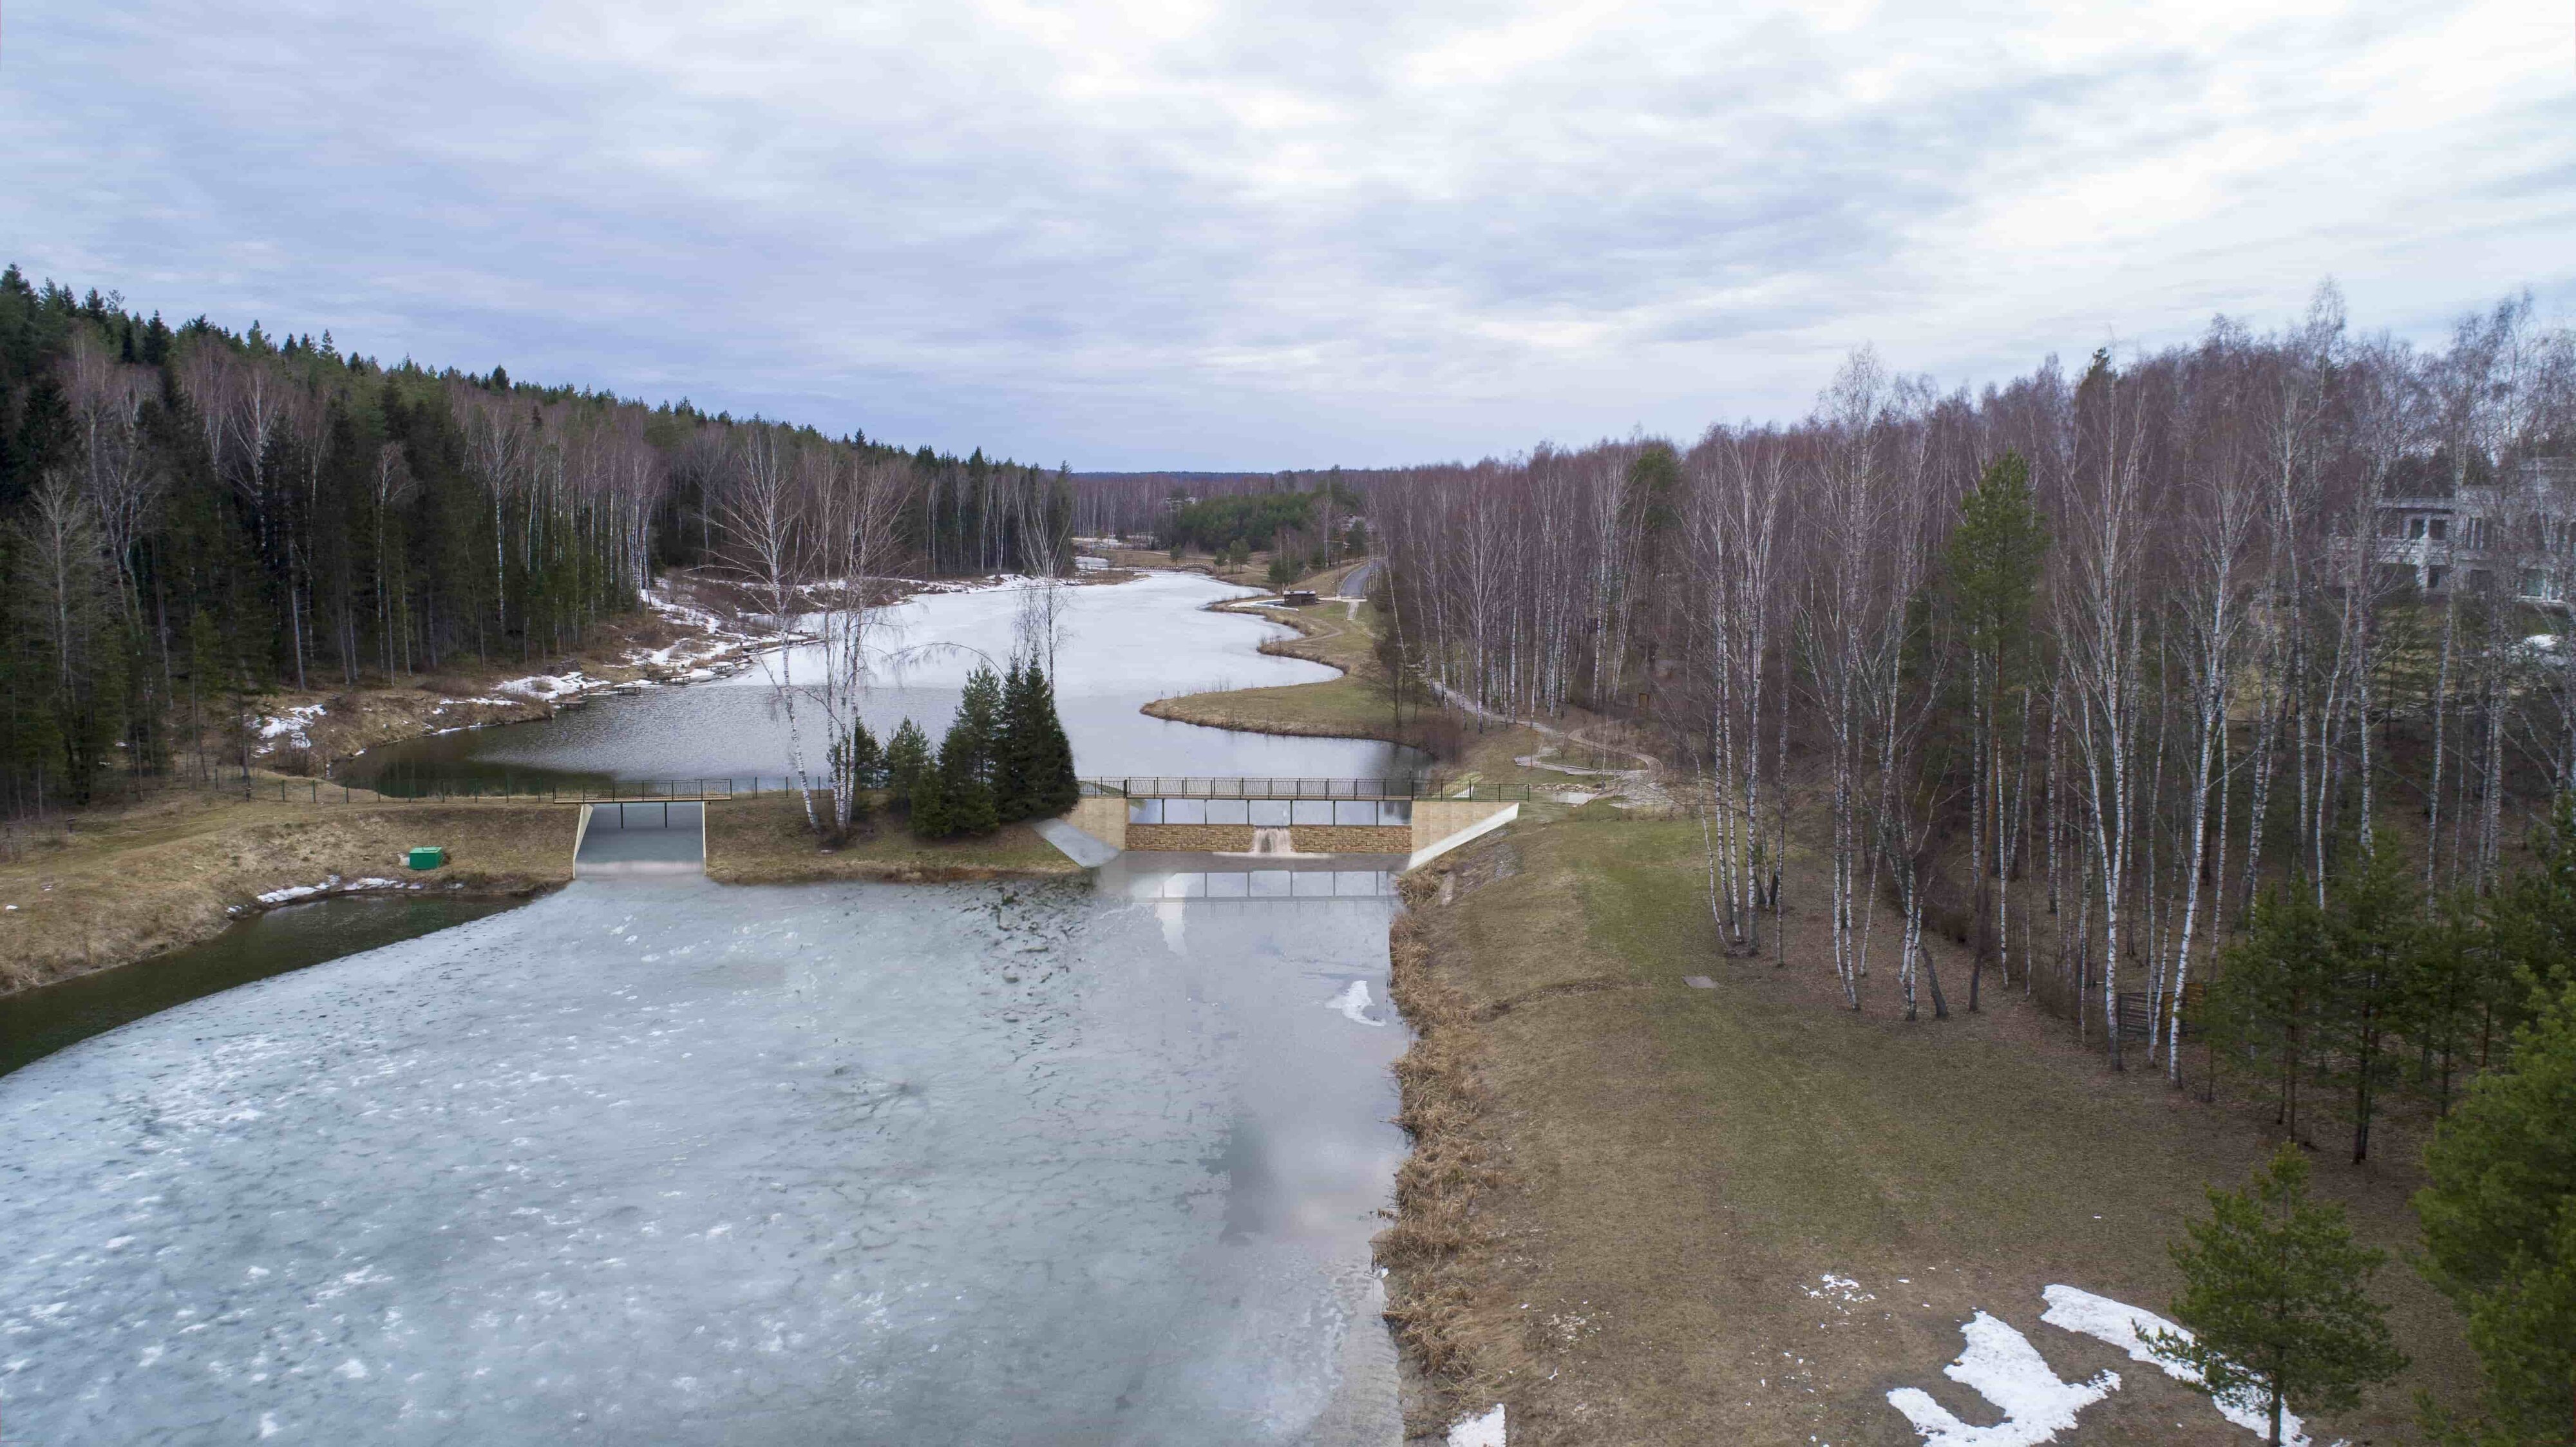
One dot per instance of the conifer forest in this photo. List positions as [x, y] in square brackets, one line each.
[190, 515]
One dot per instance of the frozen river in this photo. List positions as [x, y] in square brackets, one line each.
[674, 1162]
[1121, 646]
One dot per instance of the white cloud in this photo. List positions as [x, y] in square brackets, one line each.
[1217, 234]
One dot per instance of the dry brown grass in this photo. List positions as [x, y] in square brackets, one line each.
[1625, 1187]
[764, 840]
[115, 886]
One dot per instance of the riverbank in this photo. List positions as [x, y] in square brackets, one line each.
[113, 886]
[1643, 1211]
[1339, 634]
[764, 840]
[677, 637]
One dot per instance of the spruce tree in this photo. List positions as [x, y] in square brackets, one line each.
[2274, 1294]
[967, 798]
[2500, 1227]
[1013, 743]
[977, 725]
[929, 799]
[858, 759]
[1052, 784]
[907, 757]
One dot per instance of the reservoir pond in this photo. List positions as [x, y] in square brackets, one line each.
[658, 1160]
[1120, 646]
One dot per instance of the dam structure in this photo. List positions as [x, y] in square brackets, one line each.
[1271, 816]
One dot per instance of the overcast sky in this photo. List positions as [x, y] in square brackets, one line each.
[1129, 235]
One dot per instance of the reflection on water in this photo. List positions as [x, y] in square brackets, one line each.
[1266, 884]
[1124, 645]
[36, 1023]
[686, 1163]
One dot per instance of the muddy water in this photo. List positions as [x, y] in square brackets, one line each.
[657, 1160]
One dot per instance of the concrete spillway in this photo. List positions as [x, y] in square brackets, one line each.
[640, 839]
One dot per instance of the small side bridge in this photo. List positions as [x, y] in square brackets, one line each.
[1288, 818]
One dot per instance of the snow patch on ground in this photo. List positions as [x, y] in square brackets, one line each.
[2126, 1327]
[1353, 1002]
[1484, 1431]
[1838, 1288]
[2000, 1365]
[545, 686]
[333, 885]
[277, 731]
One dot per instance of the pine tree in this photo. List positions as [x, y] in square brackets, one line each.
[2273, 1291]
[2372, 935]
[2263, 1008]
[2500, 1227]
[907, 758]
[1991, 574]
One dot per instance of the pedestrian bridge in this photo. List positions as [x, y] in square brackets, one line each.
[1307, 818]
[659, 826]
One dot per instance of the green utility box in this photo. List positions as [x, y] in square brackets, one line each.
[427, 856]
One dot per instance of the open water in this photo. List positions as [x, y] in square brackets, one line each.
[656, 1160]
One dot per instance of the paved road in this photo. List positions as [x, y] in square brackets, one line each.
[1355, 583]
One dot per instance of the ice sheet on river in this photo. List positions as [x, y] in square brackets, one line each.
[693, 1164]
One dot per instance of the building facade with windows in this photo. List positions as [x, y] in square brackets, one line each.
[2520, 532]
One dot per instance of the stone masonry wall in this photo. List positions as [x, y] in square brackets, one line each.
[1351, 838]
[1193, 838]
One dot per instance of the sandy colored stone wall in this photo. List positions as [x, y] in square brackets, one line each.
[1437, 819]
[1193, 838]
[1103, 819]
[1351, 839]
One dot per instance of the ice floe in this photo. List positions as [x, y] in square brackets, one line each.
[1353, 1002]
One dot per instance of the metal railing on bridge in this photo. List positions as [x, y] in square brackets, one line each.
[596, 790]
[1140, 786]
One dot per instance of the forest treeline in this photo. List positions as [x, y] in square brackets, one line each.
[190, 516]
[2209, 693]
[2071, 666]
[1213, 511]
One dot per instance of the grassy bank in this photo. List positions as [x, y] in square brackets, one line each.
[112, 886]
[764, 840]
[1353, 706]
[1627, 1192]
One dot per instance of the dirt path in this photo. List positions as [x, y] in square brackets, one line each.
[1641, 787]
